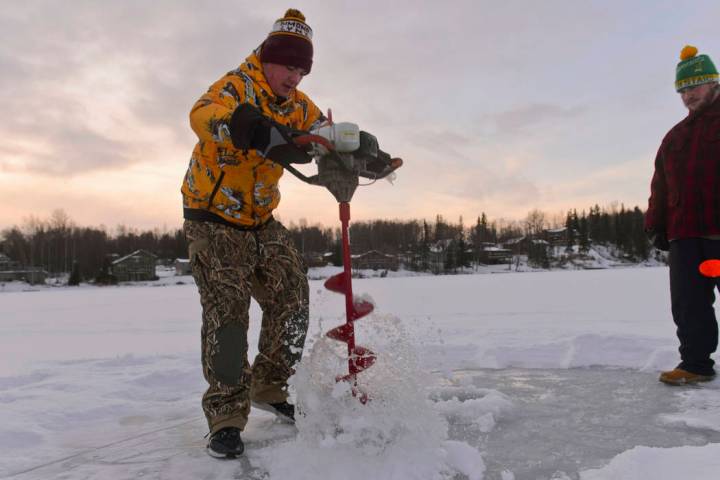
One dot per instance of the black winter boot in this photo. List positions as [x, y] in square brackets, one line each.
[226, 443]
[284, 410]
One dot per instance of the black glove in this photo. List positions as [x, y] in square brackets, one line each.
[250, 129]
[659, 239]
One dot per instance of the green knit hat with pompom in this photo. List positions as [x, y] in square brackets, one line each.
[694, 69]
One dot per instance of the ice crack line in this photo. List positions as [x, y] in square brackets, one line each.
[95, 449]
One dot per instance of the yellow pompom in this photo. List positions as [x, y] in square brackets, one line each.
[296, 14]
[688, 51]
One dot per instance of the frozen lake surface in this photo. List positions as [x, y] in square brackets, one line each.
[574, 419]
[499, 377]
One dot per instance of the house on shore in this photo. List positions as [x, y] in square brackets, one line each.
[556, 237]
[518, 246]
[315, 259]
[11, 270]
[375, 260]
[138, 266]
[494, 255]
[182, 266]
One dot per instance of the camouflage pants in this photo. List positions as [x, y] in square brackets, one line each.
[230, 266]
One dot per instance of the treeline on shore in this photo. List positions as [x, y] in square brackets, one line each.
[59, 246]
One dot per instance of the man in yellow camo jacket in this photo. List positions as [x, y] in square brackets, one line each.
[237, 250]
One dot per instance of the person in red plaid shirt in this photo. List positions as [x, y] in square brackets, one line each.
[683, 215]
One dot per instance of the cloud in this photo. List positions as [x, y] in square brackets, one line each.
[56, 151]
[522, 119]
[92, 88]
[494, 106]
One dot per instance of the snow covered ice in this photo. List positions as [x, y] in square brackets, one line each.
[546, 375]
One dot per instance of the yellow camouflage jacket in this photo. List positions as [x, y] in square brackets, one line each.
[240, 187]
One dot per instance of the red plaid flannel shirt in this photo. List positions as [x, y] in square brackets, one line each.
[685, 189]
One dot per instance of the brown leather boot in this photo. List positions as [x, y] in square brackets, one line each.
[679, 376]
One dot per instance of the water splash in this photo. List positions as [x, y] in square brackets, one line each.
[398, 434]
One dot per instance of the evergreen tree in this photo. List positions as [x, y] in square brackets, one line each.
[569, 233]
[640, 243]
[575, 220]
[463, 258]
[441, 228]
[450, 264]
[425, 247]
[337, 254]
[538, 254]
[584, 239]
[75, 279]
[594, 223]
[620, 231]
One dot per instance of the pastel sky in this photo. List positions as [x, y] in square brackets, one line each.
[501, 107]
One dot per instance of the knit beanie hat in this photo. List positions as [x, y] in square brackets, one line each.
[694, 69]
[289, 43]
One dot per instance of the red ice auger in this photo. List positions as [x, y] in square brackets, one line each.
[343, 155]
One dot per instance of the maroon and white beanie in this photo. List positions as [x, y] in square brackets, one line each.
[290, 42]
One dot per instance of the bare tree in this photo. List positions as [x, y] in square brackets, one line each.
[59, 220]
[535, 222]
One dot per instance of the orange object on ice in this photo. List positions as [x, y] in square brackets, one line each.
[710, 268]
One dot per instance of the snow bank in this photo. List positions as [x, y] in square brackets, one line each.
[645, 463]
[700, 408]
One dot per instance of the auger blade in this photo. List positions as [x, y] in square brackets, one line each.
[336, 283]
[362, 358]
[355, 390]
[342, 333]
[362, 308]
[359, 358]
[345, 378]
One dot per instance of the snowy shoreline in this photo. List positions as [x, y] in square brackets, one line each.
[598, 258]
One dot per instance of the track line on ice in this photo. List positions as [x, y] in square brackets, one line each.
[95, 449]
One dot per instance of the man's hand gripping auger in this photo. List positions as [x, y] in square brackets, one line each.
[343, 154]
